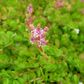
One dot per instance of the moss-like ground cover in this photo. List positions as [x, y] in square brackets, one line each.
[22, 62]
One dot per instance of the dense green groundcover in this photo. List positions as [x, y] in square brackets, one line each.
[23, 63]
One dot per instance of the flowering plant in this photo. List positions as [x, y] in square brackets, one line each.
[38, 35]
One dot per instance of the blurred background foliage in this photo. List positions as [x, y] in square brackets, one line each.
[22, 63]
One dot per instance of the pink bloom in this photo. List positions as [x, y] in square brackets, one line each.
[38, 37]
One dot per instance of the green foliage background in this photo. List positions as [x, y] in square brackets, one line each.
[22, 63]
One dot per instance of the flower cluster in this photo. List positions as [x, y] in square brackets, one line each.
[59, 4]
[37, 34]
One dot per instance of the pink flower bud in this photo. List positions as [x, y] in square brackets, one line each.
[30, 9]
